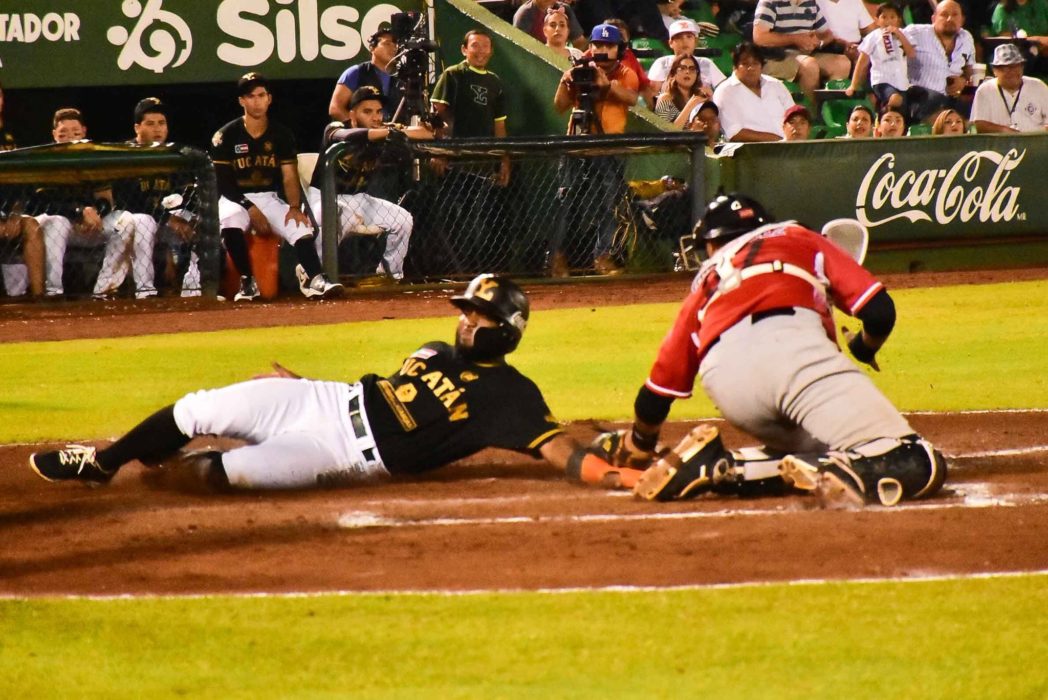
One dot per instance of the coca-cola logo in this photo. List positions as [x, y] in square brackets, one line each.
[966, 191]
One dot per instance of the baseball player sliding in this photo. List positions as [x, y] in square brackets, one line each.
[758, 329]
[445, 402]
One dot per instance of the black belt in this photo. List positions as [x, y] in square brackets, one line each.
[359, 429]
[760, 316]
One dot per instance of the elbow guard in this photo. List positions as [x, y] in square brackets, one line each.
[650, 407]
[878, 315]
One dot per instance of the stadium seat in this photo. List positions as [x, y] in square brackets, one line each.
[919, 130]
[646, 47]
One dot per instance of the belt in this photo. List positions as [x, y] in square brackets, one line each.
[760, 316]
[360, 429]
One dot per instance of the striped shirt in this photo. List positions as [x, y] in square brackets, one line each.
[790, 16]
[930, 66]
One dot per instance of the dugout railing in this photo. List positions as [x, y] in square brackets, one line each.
[573, 205]
[156, 229]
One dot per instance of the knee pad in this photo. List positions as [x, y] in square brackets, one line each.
[892, 469]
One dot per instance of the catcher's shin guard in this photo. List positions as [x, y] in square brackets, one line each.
[885, 471]
[694, 466]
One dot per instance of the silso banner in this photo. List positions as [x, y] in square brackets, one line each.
[57, 43]
[922, 188]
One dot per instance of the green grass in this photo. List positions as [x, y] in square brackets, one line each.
[974, 347]
[933, 639]
[954, 348]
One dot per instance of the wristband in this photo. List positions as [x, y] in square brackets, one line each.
[245, 202]
[860, 350]
[643, 441]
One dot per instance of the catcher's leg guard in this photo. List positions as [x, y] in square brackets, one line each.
[883, 471]
[694, 466]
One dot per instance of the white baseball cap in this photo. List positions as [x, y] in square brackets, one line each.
[683, 26]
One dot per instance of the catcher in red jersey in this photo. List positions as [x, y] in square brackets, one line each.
[758, 330]
[443, 403]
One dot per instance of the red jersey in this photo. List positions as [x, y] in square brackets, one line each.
[778, 265]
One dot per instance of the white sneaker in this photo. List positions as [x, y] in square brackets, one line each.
[319, 287]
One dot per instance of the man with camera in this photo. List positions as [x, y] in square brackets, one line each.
[599, 90]
[383, 47]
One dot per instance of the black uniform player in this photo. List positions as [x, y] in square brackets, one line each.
[370, 144]
[444, 403]
[256, 166]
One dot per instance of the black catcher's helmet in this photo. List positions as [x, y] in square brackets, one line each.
[501, 299]
[729, 216]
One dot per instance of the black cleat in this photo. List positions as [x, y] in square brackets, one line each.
[75, 462]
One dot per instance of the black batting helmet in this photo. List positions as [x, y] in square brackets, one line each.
[501, 299]
[729, 216]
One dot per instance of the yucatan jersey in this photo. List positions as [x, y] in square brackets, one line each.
[249, 164]
[439, 407]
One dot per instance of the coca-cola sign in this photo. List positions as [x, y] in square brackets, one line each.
[974, 188]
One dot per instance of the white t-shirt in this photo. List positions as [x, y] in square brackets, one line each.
[709, 72]
[845, 18]
[1030, 104]
[741, 109]
[887, 60]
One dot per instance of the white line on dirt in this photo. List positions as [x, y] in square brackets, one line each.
[915, 578]
[973, 496]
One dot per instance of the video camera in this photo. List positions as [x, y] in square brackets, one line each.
[584, 81]
[411, 65]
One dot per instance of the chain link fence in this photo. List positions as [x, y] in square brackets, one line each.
[572, 206]
[98, 220]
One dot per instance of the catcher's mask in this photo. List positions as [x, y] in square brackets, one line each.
[729, 216]
[498, 298]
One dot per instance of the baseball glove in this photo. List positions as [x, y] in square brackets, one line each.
[693, 467]
[617, 450]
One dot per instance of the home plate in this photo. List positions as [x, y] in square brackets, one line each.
[359, 519]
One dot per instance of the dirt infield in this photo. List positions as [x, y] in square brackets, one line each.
[497, 520]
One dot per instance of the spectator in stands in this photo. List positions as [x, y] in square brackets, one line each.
[798, 28]
[531, 16]
[358, 211]
[860, 123]
[642, 17]
[944, 53]
[1011, 102]
[593, 186]
[683, 91]
[1027, 19]
[706, 118]
[555, 28]
[884, 53]
[471, 99]
[683, 39]
[949, 122]
[751, 104]
[82, 216]
[7, 139]
[891, 123]
[796, 123]
[383, 48]
[472, 102]
[629, 59]
[850, 21]
[670, 11]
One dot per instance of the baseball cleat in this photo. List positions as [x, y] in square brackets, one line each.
[832, 486]
[319, 287]
[691, 468]
[248, 289]
[76, 462]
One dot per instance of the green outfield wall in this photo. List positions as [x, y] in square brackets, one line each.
[904, 190]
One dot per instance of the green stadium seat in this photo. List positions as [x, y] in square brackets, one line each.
[646, 47]
[835, 112]
[919, 130]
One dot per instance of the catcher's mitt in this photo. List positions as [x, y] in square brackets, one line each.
[693, 467]
[617, 449]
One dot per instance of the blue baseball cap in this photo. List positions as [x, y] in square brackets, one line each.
[606, 34]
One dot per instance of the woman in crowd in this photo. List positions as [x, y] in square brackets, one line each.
[682, 92]
[949, 122]
[555, 29]
[860, 123]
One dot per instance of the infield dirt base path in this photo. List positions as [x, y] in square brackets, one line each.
[498, 520]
